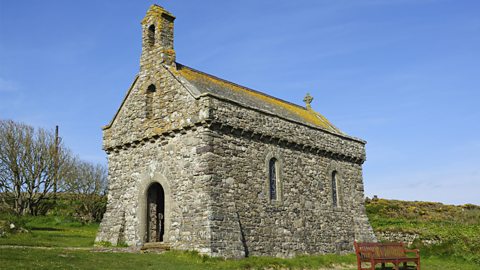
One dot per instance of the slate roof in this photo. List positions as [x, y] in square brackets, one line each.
[206, 83]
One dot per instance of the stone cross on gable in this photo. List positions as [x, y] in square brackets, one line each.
[308, 99]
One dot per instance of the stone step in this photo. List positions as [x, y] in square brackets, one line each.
[155, 246]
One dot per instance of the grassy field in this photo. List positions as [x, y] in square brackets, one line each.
[456, 228]
[56, 243]
[79, 259]
[50, 232]
[68, 259]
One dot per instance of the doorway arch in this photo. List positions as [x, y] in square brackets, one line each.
[155, 213]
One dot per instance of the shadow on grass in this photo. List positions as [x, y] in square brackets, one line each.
[46, 229]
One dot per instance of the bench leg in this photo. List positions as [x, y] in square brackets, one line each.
[383, 265]
[395, 266]
[405, 265]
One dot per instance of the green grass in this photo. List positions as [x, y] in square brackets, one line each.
[457, 226]
[69, 259]
[50, 231]
[77, 259]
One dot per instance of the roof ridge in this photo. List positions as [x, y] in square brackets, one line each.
[238, 85]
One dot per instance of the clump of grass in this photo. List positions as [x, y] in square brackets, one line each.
[103, 244]
[122, 244]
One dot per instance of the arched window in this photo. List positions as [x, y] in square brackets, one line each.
[273, 177]
[151, 35]
[149, 101]
[334, 189]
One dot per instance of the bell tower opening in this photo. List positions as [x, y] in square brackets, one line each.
[155, 213]
[151, 35]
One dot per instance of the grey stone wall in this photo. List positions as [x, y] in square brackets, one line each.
[160, 147]
[305, 221]
[175, 164]
[211, 157]
[173, 109]
[215, 179]
[257, 122]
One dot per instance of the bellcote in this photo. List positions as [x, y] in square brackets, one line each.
[157, 38]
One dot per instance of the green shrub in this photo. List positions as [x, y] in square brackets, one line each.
[84, 208]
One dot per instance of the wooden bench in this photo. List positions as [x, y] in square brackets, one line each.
[395, 253]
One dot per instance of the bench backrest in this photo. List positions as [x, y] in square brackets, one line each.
[392, 250]
[380, 250]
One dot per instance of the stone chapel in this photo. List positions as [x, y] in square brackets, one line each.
[200, 163]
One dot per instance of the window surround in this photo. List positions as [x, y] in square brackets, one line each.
[334, 170]
[151, 89]
[273, 177]
[334, 183]
[279, 179]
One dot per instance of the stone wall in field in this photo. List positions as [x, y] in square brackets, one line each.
[406, 237]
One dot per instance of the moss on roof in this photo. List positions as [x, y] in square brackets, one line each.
[207, 83]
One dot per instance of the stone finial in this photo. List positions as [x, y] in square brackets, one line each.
[308, 99]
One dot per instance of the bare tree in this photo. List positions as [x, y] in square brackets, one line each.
[27, 165]
[87, 182]
[86, 178]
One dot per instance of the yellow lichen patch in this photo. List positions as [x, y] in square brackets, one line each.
[158, 130]
[309, 116]
[156, 12]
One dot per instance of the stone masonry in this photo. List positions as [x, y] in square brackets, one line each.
[241, 173]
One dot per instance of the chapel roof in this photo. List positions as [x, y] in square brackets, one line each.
[206, 83]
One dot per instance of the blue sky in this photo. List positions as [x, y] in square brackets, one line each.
[402, 74]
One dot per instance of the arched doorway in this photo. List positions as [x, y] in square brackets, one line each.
[155, 213]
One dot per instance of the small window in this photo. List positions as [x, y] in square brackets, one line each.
[272, 176]
[151, 35]
[334, 189]
[151, 89]
[149, 101]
